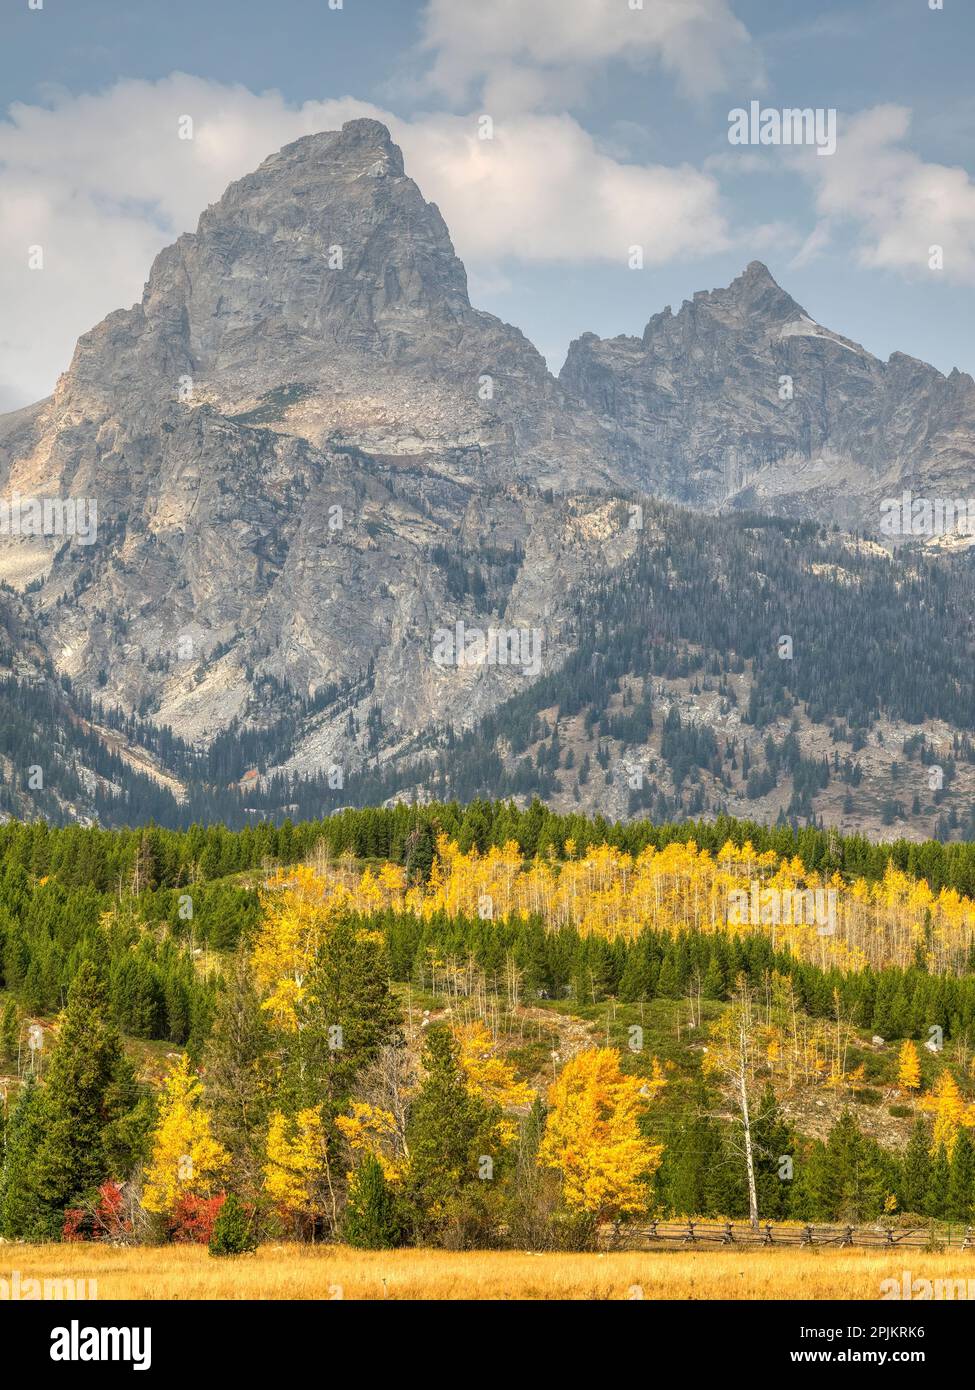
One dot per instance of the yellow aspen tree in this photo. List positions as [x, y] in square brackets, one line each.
[372, 1130]
[490, 1076]
[296, 1175]
[908, 1068]
[186, 1159]
[592, 1136]
[950, 1112]
[295, 914]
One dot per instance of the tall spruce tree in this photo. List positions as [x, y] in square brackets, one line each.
[852, 1179]
[351, 1014]
[939, 1176]
[236, 1081]
[450, 1132]
[916, 1170]
[696, 1176]
[9, 1032]
[372, 1218]
[71, 1156]
[961, 1179]
[774, 1143]
[21, 1211]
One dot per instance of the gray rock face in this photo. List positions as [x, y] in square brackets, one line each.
[300, 413]
[741, 400]
[321, 296]
[310, 453]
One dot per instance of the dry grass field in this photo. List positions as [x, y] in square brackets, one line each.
[333, 1272]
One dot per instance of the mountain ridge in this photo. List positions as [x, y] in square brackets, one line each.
[311, 454]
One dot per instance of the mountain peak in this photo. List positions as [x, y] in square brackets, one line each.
[752, 299]
[338, 151]
[756, 292]
[758, 270]
[327, 242]
[364, 130]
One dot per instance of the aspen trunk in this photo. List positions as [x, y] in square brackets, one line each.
[749, 1157]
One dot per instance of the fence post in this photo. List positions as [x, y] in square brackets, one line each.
[767, 1238]
[807, 1236]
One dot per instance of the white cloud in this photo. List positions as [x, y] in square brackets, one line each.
[102, 183]
[898, 204]
[516, 52]
[542, 190]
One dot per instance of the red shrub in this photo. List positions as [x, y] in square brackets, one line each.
[104, 1219]
[111, 1223]
[191, 1220]
[74, 1219]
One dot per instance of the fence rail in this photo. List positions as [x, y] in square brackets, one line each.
[713, 1234]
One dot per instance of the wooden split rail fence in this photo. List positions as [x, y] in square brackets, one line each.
[706, 1234]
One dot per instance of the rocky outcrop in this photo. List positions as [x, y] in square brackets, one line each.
[286, 439]
[742, 400]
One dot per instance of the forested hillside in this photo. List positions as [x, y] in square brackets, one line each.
[391, 1027]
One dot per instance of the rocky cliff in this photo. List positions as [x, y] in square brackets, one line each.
[312, 457]
[303, 409]
[741, 400]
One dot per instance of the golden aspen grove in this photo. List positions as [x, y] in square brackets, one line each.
[495, 1049]
[613, 894]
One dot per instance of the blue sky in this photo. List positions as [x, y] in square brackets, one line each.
[611, 129]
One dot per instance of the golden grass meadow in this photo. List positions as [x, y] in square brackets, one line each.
[187, 1272]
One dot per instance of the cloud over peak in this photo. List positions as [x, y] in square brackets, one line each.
[102, 182]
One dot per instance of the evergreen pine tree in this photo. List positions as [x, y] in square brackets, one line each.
[916, 1171]
[853, 1180]
[636, 982]
[936, 1199]
[809, 1197]
[668, 985]
[715, 986]
[773, 1141]
[450, 1131]
[961, 1179]
[21, 1212]
[9, 1032]
[372, 1221]
[695, 1177]
[130, 1114]
[71, 1156]
[352, 1014]
[236, 1075]
[233, 1230]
